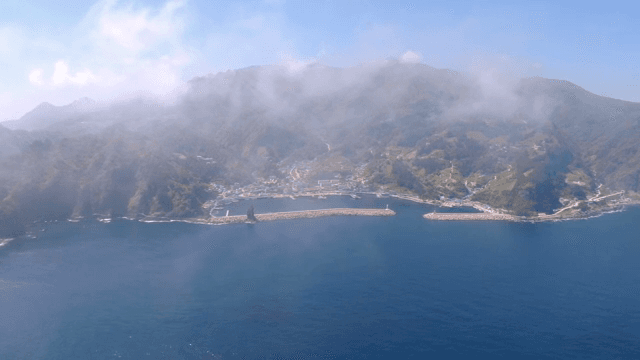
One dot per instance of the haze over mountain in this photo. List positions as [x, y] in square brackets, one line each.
[519, 144]
[46, 114]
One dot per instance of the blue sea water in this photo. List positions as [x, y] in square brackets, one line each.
[325, 288]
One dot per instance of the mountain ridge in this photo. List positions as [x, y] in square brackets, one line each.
[47, 114]
[528, 147]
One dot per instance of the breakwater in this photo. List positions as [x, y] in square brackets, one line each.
[470, 216]
[302, 214]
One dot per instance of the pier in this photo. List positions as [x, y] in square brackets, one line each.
[470, 216]
[303, 215]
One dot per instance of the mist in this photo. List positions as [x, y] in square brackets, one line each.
[315, 96]
[392, 124]
[355, 94]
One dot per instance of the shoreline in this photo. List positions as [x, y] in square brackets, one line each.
[453, 216]
[488, 214]
[502, 215]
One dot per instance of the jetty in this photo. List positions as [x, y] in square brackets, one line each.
[302, 215]
[470, 216]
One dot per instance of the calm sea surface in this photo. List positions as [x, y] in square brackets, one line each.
[324, 288]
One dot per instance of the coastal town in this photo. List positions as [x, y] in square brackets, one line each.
[304, 179]
[301, 180]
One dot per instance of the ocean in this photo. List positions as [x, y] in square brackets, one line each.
[325, 288]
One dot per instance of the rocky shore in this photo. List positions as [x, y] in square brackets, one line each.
[302, 214]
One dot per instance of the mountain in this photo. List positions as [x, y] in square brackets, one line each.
[529, 146]
[46, 114]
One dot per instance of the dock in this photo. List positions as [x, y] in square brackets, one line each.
[470, 216]
[303, 215]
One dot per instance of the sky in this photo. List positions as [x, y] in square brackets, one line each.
[58, 52]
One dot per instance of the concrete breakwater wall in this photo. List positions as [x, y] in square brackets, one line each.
[469, 216]
[303, 214]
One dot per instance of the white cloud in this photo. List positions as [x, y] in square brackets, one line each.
[119, 49]
[61, 75]
[135, 30]
[294, 65]
[35, 77]
[137, 49]
[122, 48]
[410, 57]
[158, 76]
